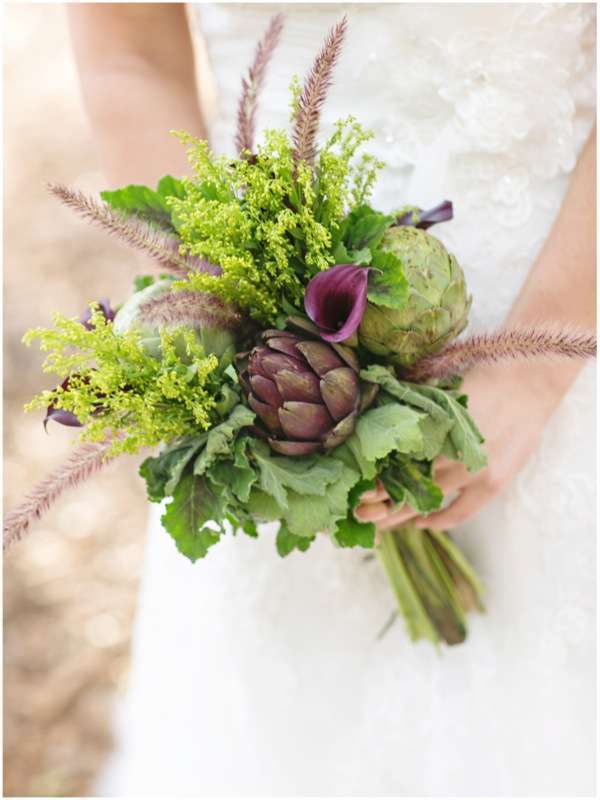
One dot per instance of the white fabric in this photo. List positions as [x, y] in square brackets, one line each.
[254, 675]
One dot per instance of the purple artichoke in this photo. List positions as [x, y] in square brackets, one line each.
[305, 392]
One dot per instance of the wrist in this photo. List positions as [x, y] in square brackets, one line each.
[545, 381]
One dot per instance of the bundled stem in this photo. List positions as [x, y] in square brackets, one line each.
[252, 85]
[83, 462]
[161, 247]
[489, 348]
[186, 307]
[314, 93]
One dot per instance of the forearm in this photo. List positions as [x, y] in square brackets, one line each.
[136, 66]
[561, 286]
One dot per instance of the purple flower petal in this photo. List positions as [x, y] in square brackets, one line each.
[61, 416]
[304, 420]
[336, 299]
[57, 414]
[107, 311]
[425, 219]
[295, 448]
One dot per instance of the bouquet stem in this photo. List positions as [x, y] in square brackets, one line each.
[434, 584]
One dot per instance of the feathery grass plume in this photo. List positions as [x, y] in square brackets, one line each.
[161, 247]
[187, 307]
[488, 348]
[82, 463]
[252, 85]
[314, 93]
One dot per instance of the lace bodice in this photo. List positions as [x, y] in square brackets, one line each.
[487, 105]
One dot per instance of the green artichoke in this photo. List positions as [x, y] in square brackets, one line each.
[437, 307]
[130, 316]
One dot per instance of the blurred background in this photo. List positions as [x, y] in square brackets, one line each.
[70, 588]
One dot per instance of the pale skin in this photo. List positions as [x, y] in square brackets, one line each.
[136, 63]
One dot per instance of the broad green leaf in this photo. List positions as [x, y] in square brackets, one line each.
[362, 256]
[389, 427]
[448, 429]
[168, 186]
[387, 283]
[287, 541]
[220, 438]
[351, 453]
[351, 532]
[145, 202]
[309, 475]
[193, 505]
[142, 281]
[263, 506]
[238, 480]
[141, 201]
[408, 480]
[162, 473]
[464, 436]
[306, 516]
[366, 228]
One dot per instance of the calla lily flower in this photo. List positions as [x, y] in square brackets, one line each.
[425, 219]
[60, 415]
[335, 300]
[107, 311]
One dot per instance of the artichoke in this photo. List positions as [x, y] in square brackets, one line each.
[214, 339]
[306, 393]
[437, 307]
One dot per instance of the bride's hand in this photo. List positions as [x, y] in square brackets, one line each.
[511, 405]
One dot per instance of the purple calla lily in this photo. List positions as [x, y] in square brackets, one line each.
[425, 219]
[335, 300]
[60, 415]
[109, 313]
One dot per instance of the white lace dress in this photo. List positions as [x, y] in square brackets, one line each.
[254, 675]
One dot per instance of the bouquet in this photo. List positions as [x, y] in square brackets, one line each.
[295, 348]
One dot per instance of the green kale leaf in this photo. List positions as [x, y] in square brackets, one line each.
[163, 472]
[149, 204]
[389, 427]
[446, 425]
[287, 541]
[364, 227]
[410, 481]
[388, 285]
[351, 532]
[219, 440]
[195, 503]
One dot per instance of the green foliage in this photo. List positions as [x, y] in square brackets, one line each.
[410, 481]
[446, 426]
[195, 504]
[116, 387]
[350, 531]
[242, 481]
[163, 473]
[287, 541]
[141, 282]
[269, 223]
[146, 203]
[388, 285]
[220, 439]
[359, 242]
[310, 492]
[389, 427]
